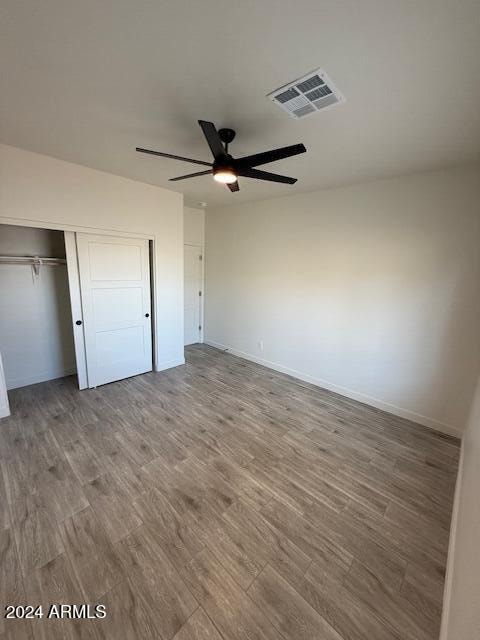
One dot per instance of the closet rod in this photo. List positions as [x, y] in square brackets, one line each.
[32, 260]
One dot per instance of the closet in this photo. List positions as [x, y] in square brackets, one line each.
[36, 335]
[73, 303]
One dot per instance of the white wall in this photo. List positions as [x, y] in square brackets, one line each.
[461, 613]
[371, 290]
[193, 226]
[36, 337]
[4, 404]
[42, 191]
[30, 241]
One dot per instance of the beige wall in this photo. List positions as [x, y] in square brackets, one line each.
[461, 616]
[41, 191]
[371, 290]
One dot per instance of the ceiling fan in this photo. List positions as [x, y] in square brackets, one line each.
[227, 169]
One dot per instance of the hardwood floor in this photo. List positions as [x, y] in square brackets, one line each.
[221, 500]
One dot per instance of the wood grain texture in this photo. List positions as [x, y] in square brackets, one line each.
[288, 611]
[11, 587]
[198, 627]
[222, 501]
[235, 614]
[129, 616]
[37, 535]
[93, 558]
[156, 579]
[111, 506]
[56, 583]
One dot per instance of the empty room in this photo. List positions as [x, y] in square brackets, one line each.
[240, 320]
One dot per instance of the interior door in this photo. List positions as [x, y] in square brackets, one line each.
[192, 290]
[115, 291]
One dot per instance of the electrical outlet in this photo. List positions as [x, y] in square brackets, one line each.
[260, 345]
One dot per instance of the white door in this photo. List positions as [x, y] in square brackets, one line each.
[115, 291]
[192, 293]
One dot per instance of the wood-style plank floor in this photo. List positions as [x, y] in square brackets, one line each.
[221, 500]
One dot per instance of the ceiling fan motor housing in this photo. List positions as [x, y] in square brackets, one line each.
[226, 135]
[225, 163]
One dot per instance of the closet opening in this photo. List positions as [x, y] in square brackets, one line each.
[36, 334]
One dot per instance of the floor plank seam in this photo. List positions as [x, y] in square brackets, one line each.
[224, 479]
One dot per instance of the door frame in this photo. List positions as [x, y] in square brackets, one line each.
[75, 284]
[76, 307]
[201, 247]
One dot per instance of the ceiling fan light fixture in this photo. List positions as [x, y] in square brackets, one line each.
[225, 168]
[225, 175]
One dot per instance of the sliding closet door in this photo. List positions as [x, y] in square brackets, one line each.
[115, 291]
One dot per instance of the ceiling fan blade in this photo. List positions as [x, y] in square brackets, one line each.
[213, 139]
[265, 175]
[191, 175]
[233, 186]
[169, 155]
[270, 156]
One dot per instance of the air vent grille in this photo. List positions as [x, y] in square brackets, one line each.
[319, 93]
[287, 95]
[307, 95]
[311, 83]
[326, 102]
[304, 111]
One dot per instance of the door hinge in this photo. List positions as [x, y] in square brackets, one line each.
[199, 293]
[199, 327]
[200, 258]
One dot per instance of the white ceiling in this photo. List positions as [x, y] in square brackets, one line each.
[89, 80]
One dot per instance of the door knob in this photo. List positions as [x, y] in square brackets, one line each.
[78, 322]
[147, 315]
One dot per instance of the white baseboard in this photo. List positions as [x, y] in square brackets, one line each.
[426, 421]
[447, 590]
[44, 376]
[169, 364]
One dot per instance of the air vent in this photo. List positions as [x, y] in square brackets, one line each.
[307, 95]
